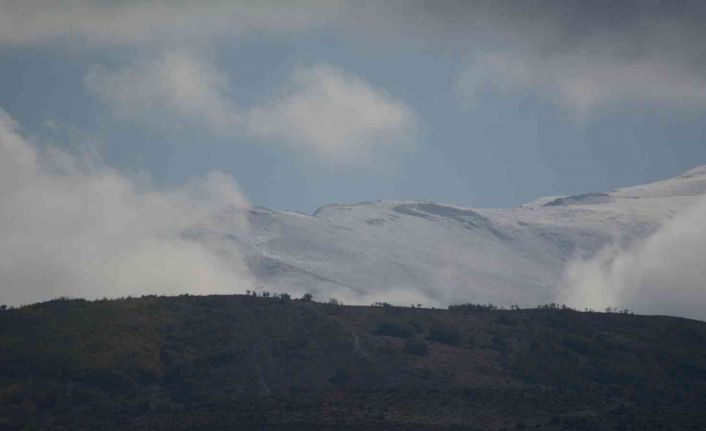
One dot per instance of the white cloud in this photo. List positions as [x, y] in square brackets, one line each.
[664, 274]
[71, 227]
[323, 110]
[334, 114]
[168, 90]
[585, 82]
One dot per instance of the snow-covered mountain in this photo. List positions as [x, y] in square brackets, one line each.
[424, 252]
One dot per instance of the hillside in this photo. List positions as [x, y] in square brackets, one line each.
[436, 254]
[244, 362]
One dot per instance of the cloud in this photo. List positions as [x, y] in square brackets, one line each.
[583, 55]
[72, 227]
[167, 91]
[155, 23]
[584, 84]
[333, 114]
[664, 274]
[323, 110]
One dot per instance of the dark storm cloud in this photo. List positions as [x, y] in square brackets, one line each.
[583, 54]
[559, 25]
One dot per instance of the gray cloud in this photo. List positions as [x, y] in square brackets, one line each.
[72, 227]
[155, 23]
[582, 54]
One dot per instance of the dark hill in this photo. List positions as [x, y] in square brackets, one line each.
[243, 362]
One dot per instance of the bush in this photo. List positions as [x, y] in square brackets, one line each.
[418, 328]
[470, 342]
[416, 347]
[577, 344]
[392, 330]
[339, 377]
[444, 335]
[504, 319]
[472, 307]
[498, 343]
[334, 301]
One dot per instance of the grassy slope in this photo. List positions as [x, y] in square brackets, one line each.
[261, 363]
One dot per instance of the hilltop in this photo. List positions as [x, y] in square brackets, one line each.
[245, 362]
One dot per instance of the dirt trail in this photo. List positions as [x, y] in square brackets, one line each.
[357, 347]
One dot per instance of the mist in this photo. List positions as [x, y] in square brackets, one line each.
[72, 226]
[662, 274]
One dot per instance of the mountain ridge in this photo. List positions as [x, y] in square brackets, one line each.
[436, 254]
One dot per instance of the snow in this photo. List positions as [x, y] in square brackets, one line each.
[440, 254]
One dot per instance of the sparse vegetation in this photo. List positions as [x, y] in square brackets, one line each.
[505, 319]
[392, 330]
[444, 334]
[266, 363]
[339, 377]
[416, 347]
[497, 342]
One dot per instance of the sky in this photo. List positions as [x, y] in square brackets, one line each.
[123, 124]
[307, 103]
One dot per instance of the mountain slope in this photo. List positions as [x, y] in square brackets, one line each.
[243, 362]
[423, 252]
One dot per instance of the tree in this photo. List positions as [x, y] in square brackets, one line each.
[307, 297]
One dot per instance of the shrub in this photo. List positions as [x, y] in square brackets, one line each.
[444, 335]
[498, 343]
[416, 347]
[339, 377]
[504, 319]
[576, 343]
[392, 330]
[470, 342]
[418, 328]
[471, 307]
